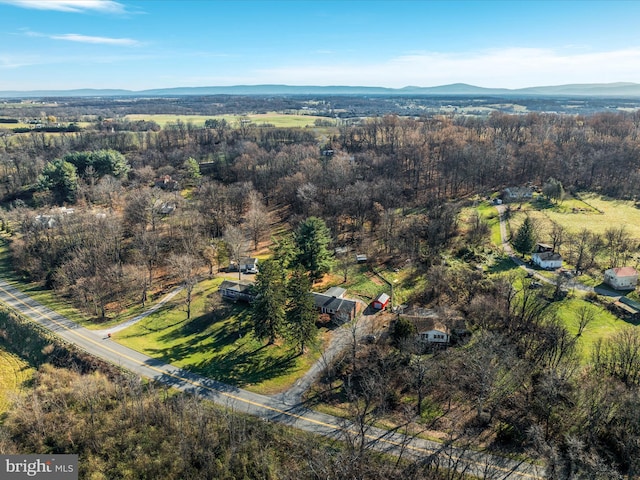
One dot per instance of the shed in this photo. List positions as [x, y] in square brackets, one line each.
[381, 301]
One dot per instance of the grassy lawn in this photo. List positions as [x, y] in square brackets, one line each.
[603, 325]
[502, 264]
[14, 373]
[489, 214]
[208, 344]
[216, 342]
[596, 213]
[275, 119]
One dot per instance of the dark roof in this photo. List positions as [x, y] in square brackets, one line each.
[336, 304]
[239, 287]
[428, 324]
[546, 256]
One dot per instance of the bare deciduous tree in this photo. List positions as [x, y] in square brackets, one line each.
[236, 241]
[186, 266]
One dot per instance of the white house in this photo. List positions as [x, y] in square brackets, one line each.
[517, 194]
[246, 265]
[547, 260]
[435, 336]
[431, 331]
[623, 278]
[237, 291]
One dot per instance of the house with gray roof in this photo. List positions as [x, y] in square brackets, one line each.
[332, 302]
[235, 291]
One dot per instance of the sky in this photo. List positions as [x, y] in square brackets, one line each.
[145, 44]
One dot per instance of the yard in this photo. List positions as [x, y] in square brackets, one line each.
[604, 323]
[590, 211]
[593, 211]
[217, 342]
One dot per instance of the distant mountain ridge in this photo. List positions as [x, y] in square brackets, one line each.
[619, 89]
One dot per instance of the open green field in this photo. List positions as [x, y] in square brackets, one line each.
[603, 325]
[14, 372]
[489, 214]
[597, 214]
[275, 119]
[216, 342]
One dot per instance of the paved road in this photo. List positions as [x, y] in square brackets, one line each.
[268, 408]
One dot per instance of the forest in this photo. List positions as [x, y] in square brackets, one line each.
[107, 215]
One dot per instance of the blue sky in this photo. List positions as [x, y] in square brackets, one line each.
[66, 44]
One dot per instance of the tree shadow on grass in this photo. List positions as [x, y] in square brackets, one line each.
[243, 367]
[501, 265]
[541, 203]
[220, 346]
[240, 365]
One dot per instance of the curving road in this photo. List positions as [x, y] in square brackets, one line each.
[269, 408]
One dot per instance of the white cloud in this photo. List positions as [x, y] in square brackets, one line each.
[74, 37]
[507, 68]
[76, 6]
[9, 63]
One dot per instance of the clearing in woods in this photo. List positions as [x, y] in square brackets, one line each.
[595, 212]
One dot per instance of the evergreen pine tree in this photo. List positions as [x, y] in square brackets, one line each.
[525, 239]
[268, 309]
[301, 312]
[312, 239]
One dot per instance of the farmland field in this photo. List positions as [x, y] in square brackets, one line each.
[275, 119]
[11, 126]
